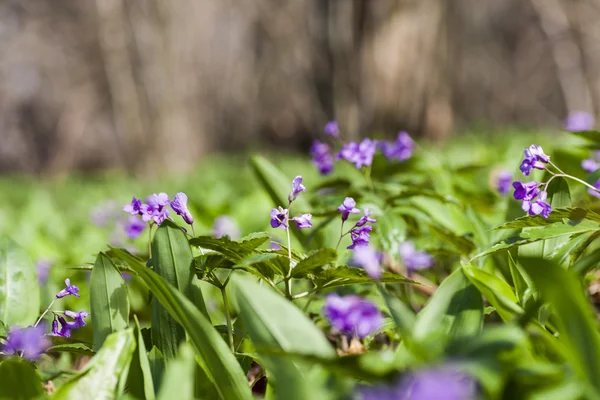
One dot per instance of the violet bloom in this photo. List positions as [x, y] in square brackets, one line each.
[352, 315]
[540, 207]
[303, 221]
[593, 192]
[67, 326]
[297, 188]
[135, 207]
[332, 129]
[578, 121]
[133, 227]
[413, 259]
[30, 341]
[534, 158]
[360, 236]
[279, 218]
[590, 165]
[322, 157]
[226, 226]
[503, 182]
[43, 270]
[525, 191]
[179, 205]
[442, 383]
[401, 150]
[69, 290]
[366, 218]
[360, 154]
[78, 317]
[156, 208]
[348, 207]
[369, 260]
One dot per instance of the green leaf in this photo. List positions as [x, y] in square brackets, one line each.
[221, 365]
[275, 323]
[19, 288]
[139, 381]
[497, 292]
[402, 314]
[464, 245]
[18, 380]
[104, 372]
[109, 300]
[157, 366]
[391, 230]
[567, 215]
[233, 250]
[314, 262]
[586, 263]
[577, 322]
[519, 278]
[77, 348]
[178, 382]
[344, 276]
[590, 135]
[172, 260]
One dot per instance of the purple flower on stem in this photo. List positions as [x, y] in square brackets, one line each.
[539, 207]
[69, 290]
[525, 191]
[179, 205]
[368, 258]
[332, 129]
[360, 154]
[322, 157]
[279, 218]
[297, 188]
[226, 226]
[503, 182]
[67, 326]
[578, 121]
[135, 207]
[352, 315]
[303, 221]
[348, 207]
[133, 227]
[78, 317]
[593, 192]
[365, 218]
[155, 208]
[401, 150]
[534, 158]
[414, 260]
[360, 236]
[31, 341]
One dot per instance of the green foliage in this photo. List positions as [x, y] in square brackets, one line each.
[18, 380]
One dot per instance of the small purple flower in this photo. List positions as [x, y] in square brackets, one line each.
[78, 317]
[179, 205]
[279, 218]
[525, 191]
[539, 207]
[365, 218]
[534, 158]
[303, 221]
[352, 315]
[503, 182]
[360, 236]
[593, 192]
[69, 290]
[578, 121]
[332, 129]
[226, 226]
[322, 157]
[444, 383]
[31, 341]
[401, 150]
[590, 165]
[348, 207]
[360, 154]
[297, 188]
[155, 208]
[135, 207]
[65, 328]
[368, 258]
[43, 270]
[133, 227]
[413, 259]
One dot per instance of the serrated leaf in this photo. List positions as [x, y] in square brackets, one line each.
[109, 301]
[567, 215]
[464, 245]
[233, 250]
[18, 380]
[314, 262]
[77, 348]
[344, 275]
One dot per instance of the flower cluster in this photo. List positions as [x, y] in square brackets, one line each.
[352, 315]
[534, 200]
[359, 153]
[414, 260]
[31, 342]
[280, 215]
[67, 326]
[534, 158]
[360, 232]
[156, 209]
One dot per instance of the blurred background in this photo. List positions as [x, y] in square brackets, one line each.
[151, 85]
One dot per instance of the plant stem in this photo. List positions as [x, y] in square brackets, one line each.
[288, 279]
[309, 300]
[150, 241]
[368, 179]
[341, 235]
[44, 313]
[228, 318]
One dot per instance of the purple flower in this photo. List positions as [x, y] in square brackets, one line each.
[525, 191]
[348, 207]
[578, 121]
[297, 188]
[70, 289]
[135, 207]
[593, 192]
[179, 205]
[534, 158]
[368, 258]
[78, 316]
[352, 315]
[590, 165]
[155, 208]
[413, 259]
[67, 326]
[133, 227]
[226, 226]
[360, 154]
[443, 383]
[322, 157]
[30, 341]
[303, 221]
[365, 218]
[539, 207]
[503, 182]
[332, 129]
[279, 218]
[360, 236]
[43, 270]
[401, 150]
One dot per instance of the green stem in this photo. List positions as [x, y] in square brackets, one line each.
[288, 279]
[150, 241]
[341, 235]
[228, 319]
[368, 179]
[44, 313]
[309, 300]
